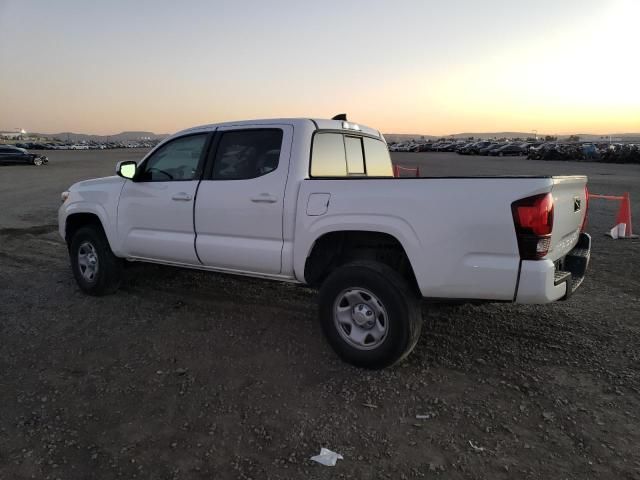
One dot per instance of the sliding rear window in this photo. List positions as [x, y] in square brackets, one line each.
[343, 155]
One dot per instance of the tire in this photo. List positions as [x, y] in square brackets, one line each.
[37, 162]
[363, 289]
[89, 246]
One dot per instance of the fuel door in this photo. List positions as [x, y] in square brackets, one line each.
[318, 204]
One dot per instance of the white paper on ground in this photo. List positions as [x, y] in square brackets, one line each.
[618, 231]
[327, 457]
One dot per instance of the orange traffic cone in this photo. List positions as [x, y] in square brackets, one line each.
[623, 227]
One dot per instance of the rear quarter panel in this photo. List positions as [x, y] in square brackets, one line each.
[457, 232]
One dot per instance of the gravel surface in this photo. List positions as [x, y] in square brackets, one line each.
[193, 375]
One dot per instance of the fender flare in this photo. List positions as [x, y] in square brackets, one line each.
[395, 227]
[92, 209]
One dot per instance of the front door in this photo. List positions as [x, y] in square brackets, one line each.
[155, 212]
[238, 215]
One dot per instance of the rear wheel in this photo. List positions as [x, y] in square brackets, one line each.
[96, 269]
[370, 315]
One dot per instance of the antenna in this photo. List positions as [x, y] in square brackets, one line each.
[340, 116]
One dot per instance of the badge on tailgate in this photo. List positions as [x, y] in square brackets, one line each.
[577, 204]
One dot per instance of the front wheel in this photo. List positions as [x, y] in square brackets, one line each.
[37, 161]
[370, 315]
[96, 269]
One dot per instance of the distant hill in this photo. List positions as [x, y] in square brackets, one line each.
[403, 137]
[118, 137]
[629, 137]
[390, 137]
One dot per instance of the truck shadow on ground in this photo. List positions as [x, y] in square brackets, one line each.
[462, 337]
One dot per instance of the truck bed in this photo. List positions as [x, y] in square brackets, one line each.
[458, 232]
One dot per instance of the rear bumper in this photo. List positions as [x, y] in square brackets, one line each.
[544, 281]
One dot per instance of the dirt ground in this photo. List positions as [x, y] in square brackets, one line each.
[193, 375]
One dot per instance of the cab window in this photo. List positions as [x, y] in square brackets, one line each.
[376, 155]
[174, 161]
[355, 158]
[329, 157]
[341, 155]
[245, 154]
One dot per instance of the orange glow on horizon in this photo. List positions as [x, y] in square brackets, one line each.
[577, 76]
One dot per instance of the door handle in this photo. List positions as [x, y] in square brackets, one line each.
[181, 197]
[264, 198]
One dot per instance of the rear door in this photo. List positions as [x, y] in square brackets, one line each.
[239, 207]
[155, 212]
[569, 210]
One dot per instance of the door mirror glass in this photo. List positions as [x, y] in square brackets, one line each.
[126, 169]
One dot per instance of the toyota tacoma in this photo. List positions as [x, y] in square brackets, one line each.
[314, 202]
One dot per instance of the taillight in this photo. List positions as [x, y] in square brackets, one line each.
[583, 227]
[533, 219]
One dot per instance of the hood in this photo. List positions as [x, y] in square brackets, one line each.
[97, 182]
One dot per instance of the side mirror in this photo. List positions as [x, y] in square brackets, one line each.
[127, 169]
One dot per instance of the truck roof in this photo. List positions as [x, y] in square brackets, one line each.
[319, 123]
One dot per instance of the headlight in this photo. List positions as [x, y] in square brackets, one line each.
[64, 195]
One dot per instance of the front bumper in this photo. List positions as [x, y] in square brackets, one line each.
[544, 281]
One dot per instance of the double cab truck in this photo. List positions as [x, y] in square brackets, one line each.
[315, 202]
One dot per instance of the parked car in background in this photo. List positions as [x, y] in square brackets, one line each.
[11, 154]
[510, 149]
[79, 147]
[531, 145]
[451, 147]
[535, 152]
[485, 151]
[462, 146]
[623, 154]
[443, 147]
[401, 147]
[474, 148]
[425, 147]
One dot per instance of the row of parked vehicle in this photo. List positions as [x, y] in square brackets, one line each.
[84, 146]
[480, 147]
[575, 151]
[590, 152]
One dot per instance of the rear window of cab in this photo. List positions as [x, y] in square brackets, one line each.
[346, 155]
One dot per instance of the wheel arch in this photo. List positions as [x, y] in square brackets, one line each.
[75, 221]
[334, 248]
[78, 216]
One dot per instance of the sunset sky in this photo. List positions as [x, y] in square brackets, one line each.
[407, 66]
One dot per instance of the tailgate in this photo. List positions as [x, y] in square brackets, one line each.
[570, 208]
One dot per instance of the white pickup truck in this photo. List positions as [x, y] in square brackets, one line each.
[315, 202]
